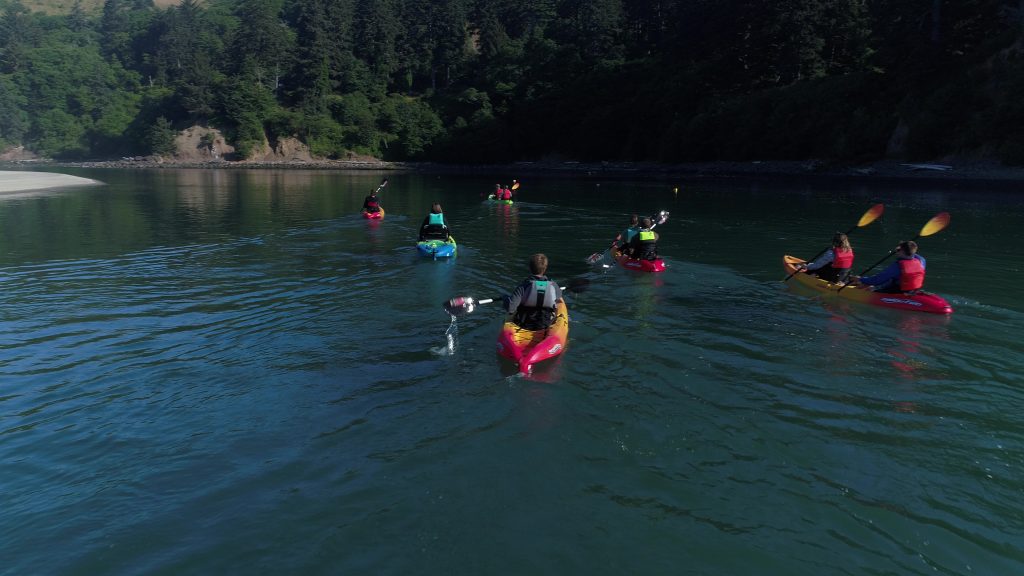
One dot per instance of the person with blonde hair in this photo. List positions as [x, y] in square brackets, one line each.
[834, 265]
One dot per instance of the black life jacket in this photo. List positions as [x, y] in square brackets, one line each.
[537, 308]
[647, 246]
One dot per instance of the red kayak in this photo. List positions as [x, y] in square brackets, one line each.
[374, 215]
[527, 347]
[638, 265]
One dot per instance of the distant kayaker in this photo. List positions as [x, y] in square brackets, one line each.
[622, 240]
[532, 303]
[497, 192]
[834, 265]
[506, 193]
[371, 204]
[434, 227]
[905, 275]
[644, 244]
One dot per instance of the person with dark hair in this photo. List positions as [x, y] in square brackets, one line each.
[644, 244]
[371, 204]
[532, 303]
[905, 275]
[834, 265]
[622, 240]
[434, 226]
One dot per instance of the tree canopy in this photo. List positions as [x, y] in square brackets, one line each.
[504, 80]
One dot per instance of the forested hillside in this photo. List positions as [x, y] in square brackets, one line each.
[505, 80]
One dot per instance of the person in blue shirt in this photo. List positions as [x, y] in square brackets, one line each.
[905, 275]
[434, 226]
[622, 240]
[644, 244]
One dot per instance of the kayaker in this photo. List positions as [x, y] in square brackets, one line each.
[905, 275]
[834, 265]
[506, 193]
[497, 192]
[622, 240]
[371, 204]
[644, 244]
[532, 303]
[434, 227]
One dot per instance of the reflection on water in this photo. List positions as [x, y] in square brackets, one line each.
[218, 371]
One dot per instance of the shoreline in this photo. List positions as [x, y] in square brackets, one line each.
[956, 173]
[16, 182]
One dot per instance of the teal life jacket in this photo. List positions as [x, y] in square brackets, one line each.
[537, 308]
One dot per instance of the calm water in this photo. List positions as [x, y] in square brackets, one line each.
[211, 372]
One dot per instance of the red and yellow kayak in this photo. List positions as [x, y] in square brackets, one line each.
[639, 265]
[374, 215]
[921, 302]
[527, 347]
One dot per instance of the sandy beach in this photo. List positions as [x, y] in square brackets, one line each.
[12, 181]
[952, 172]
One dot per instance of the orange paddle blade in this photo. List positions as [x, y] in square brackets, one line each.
[871, 215]
[936, 224]
[515, 185]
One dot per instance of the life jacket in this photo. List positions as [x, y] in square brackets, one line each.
[911, 274]
[506, 194]
[842, 259]
[435, 228]
[537, 308]
[628, 234]
[371, 204]
[648, 246]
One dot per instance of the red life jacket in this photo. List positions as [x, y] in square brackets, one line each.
[911, 274]
[506, 194]
[842, 259]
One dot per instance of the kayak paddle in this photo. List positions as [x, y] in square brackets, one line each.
[870, 216]
[936, 224]
[659, 218]
[462, 305]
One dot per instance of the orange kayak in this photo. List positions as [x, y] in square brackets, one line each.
[919, 302]
[527, 347]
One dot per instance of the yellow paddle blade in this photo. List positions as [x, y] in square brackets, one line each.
[515, 185]
[871, 215]
[936, 224]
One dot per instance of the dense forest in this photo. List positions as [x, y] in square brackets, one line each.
[507, 80]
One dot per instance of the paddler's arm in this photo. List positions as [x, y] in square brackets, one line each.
[891, 272]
